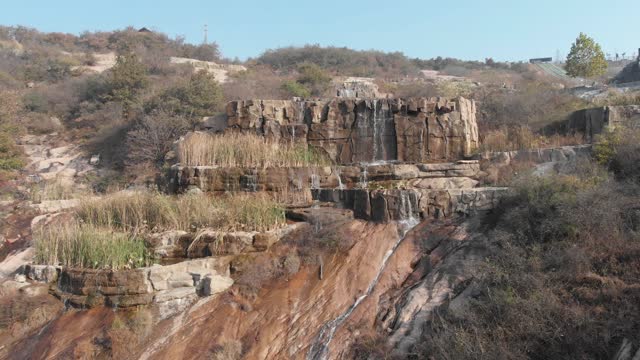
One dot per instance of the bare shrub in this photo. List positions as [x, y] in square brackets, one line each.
[292, 263]
[258, 272]
[153, 136]
[510, 138]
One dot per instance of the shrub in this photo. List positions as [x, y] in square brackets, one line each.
[127, 79]
[87, 246]
[244, 150]
[11, 157]
[36, 102]
[291, 263]
[314, 78]
[619, 150]
[200, 96]
[341, 60]
[153, 136]
[294, 88]
[560, 282]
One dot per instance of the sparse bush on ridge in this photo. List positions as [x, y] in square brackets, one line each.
[244, 150]
[510, 138]
[562, 278]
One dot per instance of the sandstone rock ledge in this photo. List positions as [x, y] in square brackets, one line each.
[365, 130]
[170, 288]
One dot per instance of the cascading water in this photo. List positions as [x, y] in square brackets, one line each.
[315, 181]
[320, 347]
[339, 176]
[406, 207]
[364, 177]
[377, 132]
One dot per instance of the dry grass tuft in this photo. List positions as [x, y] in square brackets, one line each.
[244, 150]
[142, 211]
[86, 246]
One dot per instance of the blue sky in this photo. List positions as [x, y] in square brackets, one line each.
[467, 29]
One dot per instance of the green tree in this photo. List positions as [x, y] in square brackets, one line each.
[294, 88]
[200, 96]
[586, 58]
[128, 79]
[314, 78]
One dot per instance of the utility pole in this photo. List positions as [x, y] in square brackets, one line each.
[206, 41]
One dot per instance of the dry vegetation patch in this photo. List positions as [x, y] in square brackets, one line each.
[562, 281]
[109, 232]
[244, 150]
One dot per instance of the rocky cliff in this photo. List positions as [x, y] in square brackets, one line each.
[360, 131]
[592, 122]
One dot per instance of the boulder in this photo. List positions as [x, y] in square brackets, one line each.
[262, 241]
[213, 284]
[41, 273]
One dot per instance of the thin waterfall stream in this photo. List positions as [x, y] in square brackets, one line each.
[320, 348]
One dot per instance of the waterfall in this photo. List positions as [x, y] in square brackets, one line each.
[320, 348]
[376, 131]
[406, 207]
[338, 175]
[315, 181]
[364, 181]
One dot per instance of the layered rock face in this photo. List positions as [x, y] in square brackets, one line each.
[170, 287]
[362, 131]
[592, 122]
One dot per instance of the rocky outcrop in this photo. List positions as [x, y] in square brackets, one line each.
[175, 244]
[358, 87]
[163, 286]
[401, 204]
[443, 278]
[460, 174]
[592, 122]
[358, 131]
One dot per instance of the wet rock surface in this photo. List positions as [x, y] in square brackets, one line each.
[367, 130]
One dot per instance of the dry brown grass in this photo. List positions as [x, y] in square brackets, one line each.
[521, 137]
[244, 150]
[142, 211]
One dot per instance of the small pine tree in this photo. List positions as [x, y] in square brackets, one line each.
[128, 79]
[586, 58]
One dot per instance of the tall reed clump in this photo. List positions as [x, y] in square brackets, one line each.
[245, 150]
[251, 212]
[86, 246]
[107, 233]
[143, 211]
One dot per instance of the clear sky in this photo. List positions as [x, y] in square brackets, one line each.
[466, 29]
